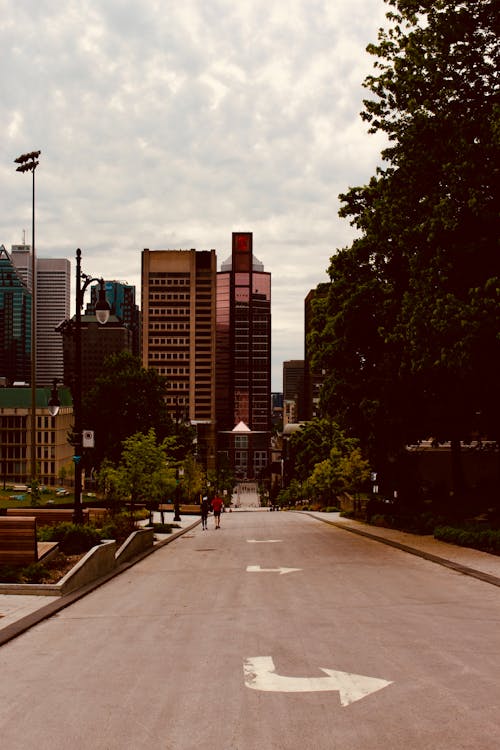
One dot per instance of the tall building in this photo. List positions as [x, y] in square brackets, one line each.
[178, 335]
[15, 322]
[121, 298]
[293, 391]
[53, 295]
[243, 396]
[98, 343]
[313, 379]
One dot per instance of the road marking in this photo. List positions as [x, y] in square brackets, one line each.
[263, 541]
[260, 674]
[281, 571]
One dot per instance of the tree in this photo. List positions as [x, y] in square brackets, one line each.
[125, 400]
[146, 472]
[409, 335]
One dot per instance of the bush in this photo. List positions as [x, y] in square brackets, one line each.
[73, 538]
[487, 540]
[119, 527]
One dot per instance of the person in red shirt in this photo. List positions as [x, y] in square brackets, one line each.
[217, 507]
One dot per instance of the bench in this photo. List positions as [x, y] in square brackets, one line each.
[98, 515]
[183, 508]
[48, 516]
[18, 543]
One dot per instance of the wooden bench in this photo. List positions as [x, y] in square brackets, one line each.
[169, 507]
[98, 515]
[18, 543]
[48, 516]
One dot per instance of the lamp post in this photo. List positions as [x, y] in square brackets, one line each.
[102, 311]
[28, 163]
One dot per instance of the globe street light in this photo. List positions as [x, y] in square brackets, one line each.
[102, 311]
[28, 163]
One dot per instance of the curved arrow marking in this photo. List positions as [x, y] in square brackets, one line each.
[281, 571]
[260, 674]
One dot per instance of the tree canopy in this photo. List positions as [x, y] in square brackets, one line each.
[128, 399]
[409, 334]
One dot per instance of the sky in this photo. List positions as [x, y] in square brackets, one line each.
[170, 125]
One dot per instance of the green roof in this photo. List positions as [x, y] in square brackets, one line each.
[20, 397]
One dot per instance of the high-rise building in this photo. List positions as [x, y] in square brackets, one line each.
[178, 335]
[121, 299]
[313, 378]
[293, 391]
[244, 359]
[15, 322]
[53, 295]
[98, 343]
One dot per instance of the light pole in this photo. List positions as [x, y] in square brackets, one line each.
[28, 163]
[102, 310]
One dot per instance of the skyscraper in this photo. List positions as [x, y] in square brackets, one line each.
[121, 298]
[178, 335]
[53, 294]
[53, 306]
[244, 358]
[15, 322]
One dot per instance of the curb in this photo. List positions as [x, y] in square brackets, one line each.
[457, 567]
[24, 623]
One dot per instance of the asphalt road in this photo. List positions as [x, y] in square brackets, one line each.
[206, 645]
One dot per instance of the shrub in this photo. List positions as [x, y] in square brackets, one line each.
[73, 538]
[10, 574]
[487, 540]
[119, 527]
[34, 573]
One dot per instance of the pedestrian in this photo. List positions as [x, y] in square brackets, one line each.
[217, 507]
[204, 512]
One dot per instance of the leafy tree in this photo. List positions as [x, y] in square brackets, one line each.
[146, 472]
[125, 400]
[193, 479]
[409, 333]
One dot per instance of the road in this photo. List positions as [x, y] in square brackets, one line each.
[209, 645]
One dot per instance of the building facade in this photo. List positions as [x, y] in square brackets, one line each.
[15, 323]
[53, 296]
[121, 299]
[98, 343]
[243, 396]
[53, 451]
[178, 335]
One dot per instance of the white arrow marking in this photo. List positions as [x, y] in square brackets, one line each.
[281, 571]
[263, 541]
[260, 674]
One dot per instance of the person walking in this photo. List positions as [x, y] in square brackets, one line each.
[204, 512]
[217, 504]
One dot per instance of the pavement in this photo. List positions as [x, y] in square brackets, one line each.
[20, 612]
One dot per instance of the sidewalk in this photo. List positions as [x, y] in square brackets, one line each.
[18, 612]
[464, 560]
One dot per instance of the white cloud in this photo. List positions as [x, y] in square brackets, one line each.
[166, 124]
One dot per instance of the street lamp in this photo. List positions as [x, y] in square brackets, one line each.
[28, 163]
[54, 404]
[102, 311]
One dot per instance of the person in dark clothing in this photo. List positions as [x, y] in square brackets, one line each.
[204, 512]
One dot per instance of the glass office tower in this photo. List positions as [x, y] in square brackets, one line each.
[243, 391]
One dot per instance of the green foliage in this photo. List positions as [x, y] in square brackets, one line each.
[145, 473]
[73, 538]
[408, 334]
[128, 399]
[119, 527]
[487, 540]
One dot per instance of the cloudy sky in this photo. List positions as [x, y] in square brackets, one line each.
[170, 125]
